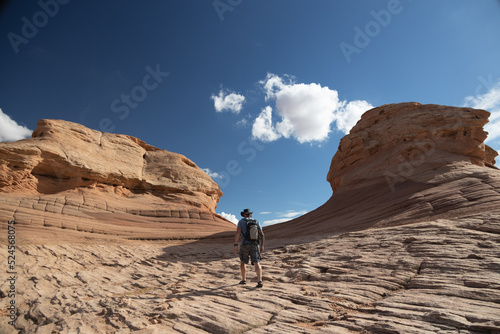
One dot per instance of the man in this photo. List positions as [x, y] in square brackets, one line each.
[249, 249]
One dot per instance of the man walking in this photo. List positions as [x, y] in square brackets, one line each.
[250, 237]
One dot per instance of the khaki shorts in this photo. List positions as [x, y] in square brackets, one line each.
[249, 251]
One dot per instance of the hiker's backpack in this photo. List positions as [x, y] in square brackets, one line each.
[252, 230]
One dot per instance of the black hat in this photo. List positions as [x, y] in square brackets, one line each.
[246, 212]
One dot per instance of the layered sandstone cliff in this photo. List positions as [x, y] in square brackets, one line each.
[404, 162]
[73, 180]
[397, 166]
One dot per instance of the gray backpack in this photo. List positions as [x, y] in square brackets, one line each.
[252, 230]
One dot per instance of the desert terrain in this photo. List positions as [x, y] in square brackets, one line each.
[112, 235]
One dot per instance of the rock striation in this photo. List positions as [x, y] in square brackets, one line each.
[405, 162]
[437, 276]
[73, 180]
[408, 242]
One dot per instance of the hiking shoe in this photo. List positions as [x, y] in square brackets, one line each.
[259, 284]
[243, 282]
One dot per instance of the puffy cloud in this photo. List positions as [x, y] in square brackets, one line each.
[489, 101]
[10, 130]
[349, 114]
[232, 102]
[273, 84]
[263, 128]
[213, 175]
[304, 111]
[232, 218]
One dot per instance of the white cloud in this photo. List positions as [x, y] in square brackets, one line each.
[242, 123]
[232, 218]
[232, 102]
[489, 101]
[213, 175]
[305, 111]
[274, 221]
[349, 114]
[292, 214]
[10, 130]
[273, 84]
[493, 128]
[284, 216]
[263, 128]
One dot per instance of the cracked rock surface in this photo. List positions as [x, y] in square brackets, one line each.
[129, 242]
[437, 276]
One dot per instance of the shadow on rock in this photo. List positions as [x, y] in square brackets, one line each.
[212, 248]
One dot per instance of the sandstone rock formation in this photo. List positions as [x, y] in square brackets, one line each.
[437, 276]
[72, 181]
[405, 162]
[408, 243]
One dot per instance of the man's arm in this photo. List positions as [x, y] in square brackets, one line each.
[262, 239]
[237, 238]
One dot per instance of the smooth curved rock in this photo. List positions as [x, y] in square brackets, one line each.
[402, 163]
[402, 138]
[71, 178]
[437, 276]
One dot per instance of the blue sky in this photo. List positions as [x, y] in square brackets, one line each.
[258, 93]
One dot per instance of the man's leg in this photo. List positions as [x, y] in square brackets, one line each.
[243, 269]
[258, 271]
